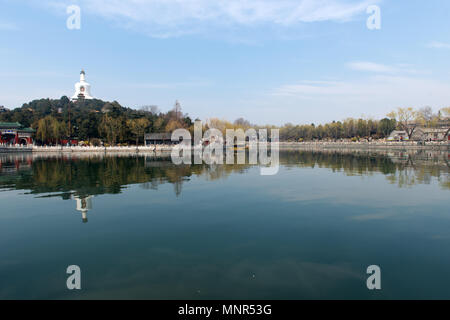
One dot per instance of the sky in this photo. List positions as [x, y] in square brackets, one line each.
[271, 62]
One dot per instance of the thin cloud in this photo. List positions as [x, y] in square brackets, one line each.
[8, 26]
[438, 45]
[170, 85]
[374, 92]
[371, 67]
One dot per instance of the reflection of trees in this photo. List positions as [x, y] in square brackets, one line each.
[403, 178]
[166, 172]
[402, 168]
[420, 168]
[92, 175]
[98, 174]
[350, 163]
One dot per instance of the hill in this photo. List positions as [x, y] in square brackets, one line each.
[56, 119]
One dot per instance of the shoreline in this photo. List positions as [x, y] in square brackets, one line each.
[443, 146]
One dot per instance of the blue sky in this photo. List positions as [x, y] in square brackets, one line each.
[268, 61]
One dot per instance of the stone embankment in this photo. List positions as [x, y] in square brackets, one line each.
[282, 145]
[130, 149]
[367, 145]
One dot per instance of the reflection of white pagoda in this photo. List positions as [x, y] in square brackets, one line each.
[84, 204]
[82, 88]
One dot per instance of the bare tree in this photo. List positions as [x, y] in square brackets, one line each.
[177, 110]
[153, 109]
[405, 117]
[241, 122]
[446, 111]
[426, 113]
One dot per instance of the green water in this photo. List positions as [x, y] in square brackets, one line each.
[154, 230]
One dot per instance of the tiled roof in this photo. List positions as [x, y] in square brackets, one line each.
[27, 130]
[158, 136]
[10, 125]
[15, 125]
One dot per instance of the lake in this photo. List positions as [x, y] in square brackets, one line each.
[140, 227]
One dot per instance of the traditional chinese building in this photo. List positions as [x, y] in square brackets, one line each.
[12, 133]
[158, 138]
[398, 135]
[431, 134]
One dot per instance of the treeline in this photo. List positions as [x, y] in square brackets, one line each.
[347, 129]
[407, 119]
[95, 120]
[100, 122]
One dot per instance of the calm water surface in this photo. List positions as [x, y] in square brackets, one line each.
[141, 227]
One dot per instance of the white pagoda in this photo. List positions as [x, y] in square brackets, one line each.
[82, 88]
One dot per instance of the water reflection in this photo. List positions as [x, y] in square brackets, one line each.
[84, 204]
[405, 169]
[84, 175]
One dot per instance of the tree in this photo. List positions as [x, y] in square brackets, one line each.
[110, 128]
[150, 109]
[158, 124]
[404, 117]
[177, 110]
[88, 127]
[44, 130]
[424, 116]
[362, 128]
[349, 128]
[242, 123]
[50, 130]
[386, 126]
[221, 125]
[173, 124]
[446, 111]
[64, 101]
[138, 127]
